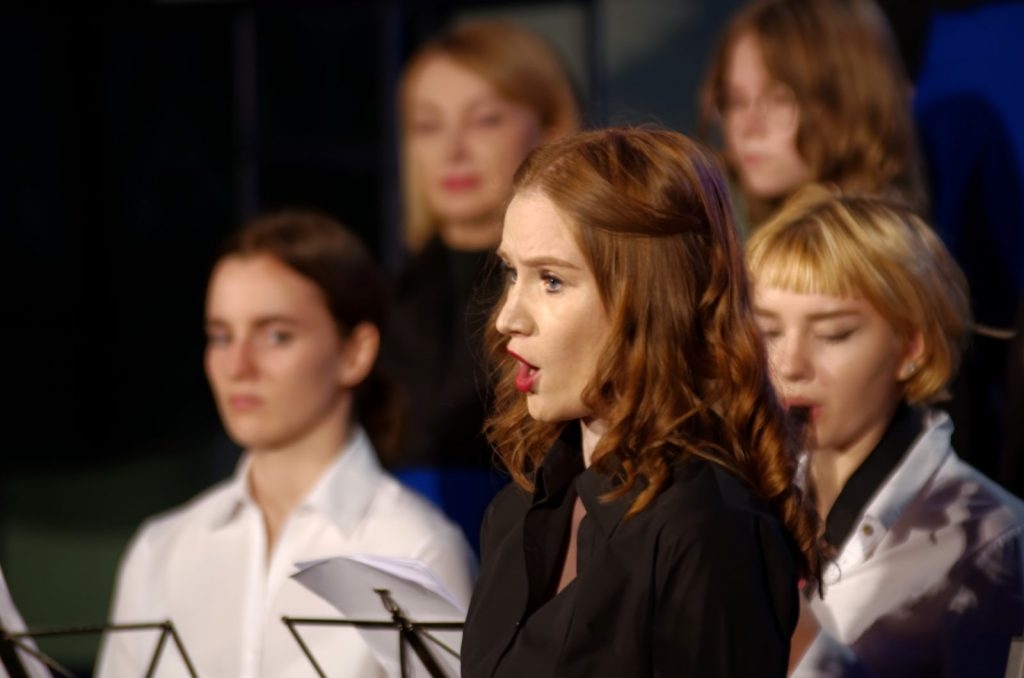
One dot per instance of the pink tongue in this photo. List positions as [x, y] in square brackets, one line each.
[524, 371]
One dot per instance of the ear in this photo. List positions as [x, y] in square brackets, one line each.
[359, 353]
[913, 354]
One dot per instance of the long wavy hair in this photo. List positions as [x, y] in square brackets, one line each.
[684, 373]
[841, 61]
[322, 250]
[520, 65]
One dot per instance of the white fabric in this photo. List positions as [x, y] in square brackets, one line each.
[930, 581]
[204, 567]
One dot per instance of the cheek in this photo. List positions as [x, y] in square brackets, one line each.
[424, 156]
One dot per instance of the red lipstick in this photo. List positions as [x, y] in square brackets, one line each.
[460, 183]
[527, 374]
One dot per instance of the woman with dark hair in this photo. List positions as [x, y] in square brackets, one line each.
[293, 316]
[653, 527]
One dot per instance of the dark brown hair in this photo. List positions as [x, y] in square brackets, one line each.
[684, 373]
[320, 249]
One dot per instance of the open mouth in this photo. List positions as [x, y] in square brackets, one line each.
[526, 375]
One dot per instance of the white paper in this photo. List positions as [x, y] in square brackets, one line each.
[349, 582]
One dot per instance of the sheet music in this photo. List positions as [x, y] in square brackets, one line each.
[11, 620]
[348, 583]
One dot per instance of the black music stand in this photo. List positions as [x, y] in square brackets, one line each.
[15, 640]
[411, 634]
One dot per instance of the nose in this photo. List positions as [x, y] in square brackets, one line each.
[239, 359]
[789, 358]
[455, 142]
[513, 317]
[750, 119]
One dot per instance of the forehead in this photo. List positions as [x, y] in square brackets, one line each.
[746, 63]
[442, 81]
[788, 303]
[534, 227]
[260, 285]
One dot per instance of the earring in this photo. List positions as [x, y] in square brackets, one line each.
[909, 370]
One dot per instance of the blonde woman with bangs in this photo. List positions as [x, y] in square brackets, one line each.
[654, 527]
[811, 91]
[865, 316]
[473, 101]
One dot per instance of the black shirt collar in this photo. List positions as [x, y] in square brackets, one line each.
[564, 464]
[905, 426]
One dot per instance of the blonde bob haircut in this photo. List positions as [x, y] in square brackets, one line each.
[521, 66]
[871, 248]
[841, 62]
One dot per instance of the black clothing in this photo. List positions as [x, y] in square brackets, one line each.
[702, 582]
[433, 350]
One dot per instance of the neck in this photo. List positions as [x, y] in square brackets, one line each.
[592, 430]
[472, 236]
[280, 478]
[830, 469]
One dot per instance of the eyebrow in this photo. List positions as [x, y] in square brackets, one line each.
[543, 261]
[260, 322]
[484, 100]
[823, 315]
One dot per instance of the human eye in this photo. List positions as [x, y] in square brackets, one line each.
[731, 102]
[487, 119]
[836, 336]
[769, 330]
[552, 283]
[423, 126]
[276, 336]
[216, 337]
[509, 272]
[779, 94]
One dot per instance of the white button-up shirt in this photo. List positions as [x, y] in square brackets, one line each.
[931, 579]
[204, 566]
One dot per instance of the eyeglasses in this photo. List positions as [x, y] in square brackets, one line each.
[776, 107]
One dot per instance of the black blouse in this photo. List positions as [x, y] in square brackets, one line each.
[700, 583]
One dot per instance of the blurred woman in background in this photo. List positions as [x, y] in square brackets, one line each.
[811, 91]
[473, 102]
[293, 316]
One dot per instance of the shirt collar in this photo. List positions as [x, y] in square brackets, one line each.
[564, 464]
[862, 485]
[342, 494]
[923, 460]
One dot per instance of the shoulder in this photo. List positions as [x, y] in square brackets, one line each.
[706, 501]
[165, 529]
[403, 511]
[709, 524]
[978, 507]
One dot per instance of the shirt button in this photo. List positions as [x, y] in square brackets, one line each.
[867, 530]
